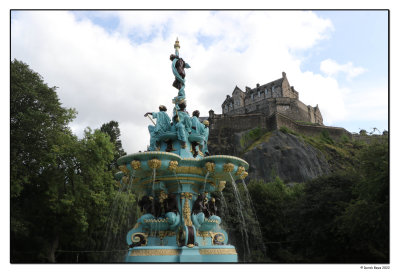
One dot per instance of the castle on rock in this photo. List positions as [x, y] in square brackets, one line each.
[271, 106]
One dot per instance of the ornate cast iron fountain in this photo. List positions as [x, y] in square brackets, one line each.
[177, 176]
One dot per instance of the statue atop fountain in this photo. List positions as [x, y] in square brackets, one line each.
[177, 178]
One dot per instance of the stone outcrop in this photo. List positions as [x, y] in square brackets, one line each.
[286, 156]
[281, 154]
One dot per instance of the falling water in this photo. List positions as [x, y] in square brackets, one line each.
[242, 220]
[154, 181]
[156, 229]
[205, 182]
[224, 205]
[119, 209]
[153, 193]
[257, 224]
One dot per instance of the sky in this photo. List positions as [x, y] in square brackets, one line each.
[114, 65]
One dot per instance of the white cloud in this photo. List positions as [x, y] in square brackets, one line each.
[332, 68]
[106, 76]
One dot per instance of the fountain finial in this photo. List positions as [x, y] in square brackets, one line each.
[177, 47]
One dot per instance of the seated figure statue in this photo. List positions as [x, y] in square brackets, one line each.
[197, 126]
[162, 126]
[182, 124]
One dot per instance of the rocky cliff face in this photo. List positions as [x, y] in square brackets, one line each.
[273, 154]
[286, 156]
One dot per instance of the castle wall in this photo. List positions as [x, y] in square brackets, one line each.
[309, 130]
[238, 122]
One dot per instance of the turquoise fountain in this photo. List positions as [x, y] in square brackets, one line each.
[176, 178]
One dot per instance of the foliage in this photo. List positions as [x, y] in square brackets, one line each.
[344, 138]
[36, 122]
[363, 132]
[364, 225]
[284, 129]
[342, 217]
[314, 218]
[112, 130]
[61, 187]
[250, 136]
[264, 138]
[325, 137]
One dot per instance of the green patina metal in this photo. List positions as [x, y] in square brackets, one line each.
[176, 176]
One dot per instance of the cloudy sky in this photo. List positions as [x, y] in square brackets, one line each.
[114, 65]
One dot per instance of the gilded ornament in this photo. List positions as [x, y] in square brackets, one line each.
[204, 234]
[216, 251]
[186, 208]
[154, 163]
[123, 169]
[173, 164]
[125, 180]
[176, 45]
[221, 185]
[162, 196]
[135, 164]
[228, 167]
[245, 174]
[210, 167]
[155, 220]
[240, 171]
[154, 252]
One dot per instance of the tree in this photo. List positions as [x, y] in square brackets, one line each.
[61, 187]
[314, 216]
[112, 130]
[272, 202]
[364, 225]
[36, 121]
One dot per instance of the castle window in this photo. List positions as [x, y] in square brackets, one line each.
[266, 92]
[259, 93]
[252, 96]
[273, 94]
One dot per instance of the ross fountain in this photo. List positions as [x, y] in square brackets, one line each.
[177, 177]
